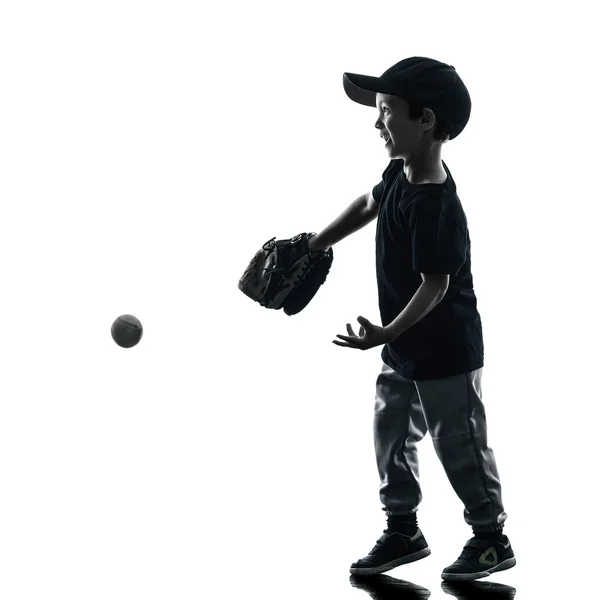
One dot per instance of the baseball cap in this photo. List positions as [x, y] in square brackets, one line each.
[432, 83]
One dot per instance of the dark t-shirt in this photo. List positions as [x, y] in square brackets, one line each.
[423, 229]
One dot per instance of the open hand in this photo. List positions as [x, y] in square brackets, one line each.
[369, 336]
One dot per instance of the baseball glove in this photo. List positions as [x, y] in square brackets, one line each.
[284, 274]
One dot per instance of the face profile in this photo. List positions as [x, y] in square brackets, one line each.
[409, 139]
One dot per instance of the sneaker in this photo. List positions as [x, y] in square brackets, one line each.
[481, 558]
[391, 550]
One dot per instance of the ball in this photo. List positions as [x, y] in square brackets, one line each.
[126, 331]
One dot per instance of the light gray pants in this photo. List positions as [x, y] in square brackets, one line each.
[452, 411]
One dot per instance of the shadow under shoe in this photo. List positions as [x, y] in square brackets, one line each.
[391, 550]
[383, 587]
[478, 590]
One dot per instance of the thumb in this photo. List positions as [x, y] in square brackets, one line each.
[364, 322]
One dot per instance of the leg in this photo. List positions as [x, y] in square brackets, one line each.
[455, 416]
[398, 426]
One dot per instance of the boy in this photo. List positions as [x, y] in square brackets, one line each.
[432, 336]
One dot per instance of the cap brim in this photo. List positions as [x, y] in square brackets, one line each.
[364, 88]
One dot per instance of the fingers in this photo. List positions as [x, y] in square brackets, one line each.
[346, 345]
[360, 341]
[354, 346]
[361, 333]
[337, 343]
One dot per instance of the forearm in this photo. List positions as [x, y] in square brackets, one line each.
[426, 298]
[355, 217]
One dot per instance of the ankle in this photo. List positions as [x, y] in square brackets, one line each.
[402, 523]
[491, 535]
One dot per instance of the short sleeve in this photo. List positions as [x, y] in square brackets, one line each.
[379, 190]
[439, 242]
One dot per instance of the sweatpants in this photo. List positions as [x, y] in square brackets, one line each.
[452, 411]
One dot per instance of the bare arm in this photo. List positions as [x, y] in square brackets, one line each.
[426, 298]
[360, 213]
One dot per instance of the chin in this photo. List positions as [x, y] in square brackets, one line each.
[393, 152]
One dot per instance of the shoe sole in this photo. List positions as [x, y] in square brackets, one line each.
[507, 564]
[391, 565]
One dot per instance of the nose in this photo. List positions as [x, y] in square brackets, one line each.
[378, 123]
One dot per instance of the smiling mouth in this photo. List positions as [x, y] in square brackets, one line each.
[386, 137]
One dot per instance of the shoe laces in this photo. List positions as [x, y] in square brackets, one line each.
[379, 542]
[389, 530]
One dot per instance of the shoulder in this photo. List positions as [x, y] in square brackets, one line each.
[425, 199]
[436, 205]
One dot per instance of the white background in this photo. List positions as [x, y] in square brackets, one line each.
[147, 150]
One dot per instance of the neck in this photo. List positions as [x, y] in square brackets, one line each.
[424, 165]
